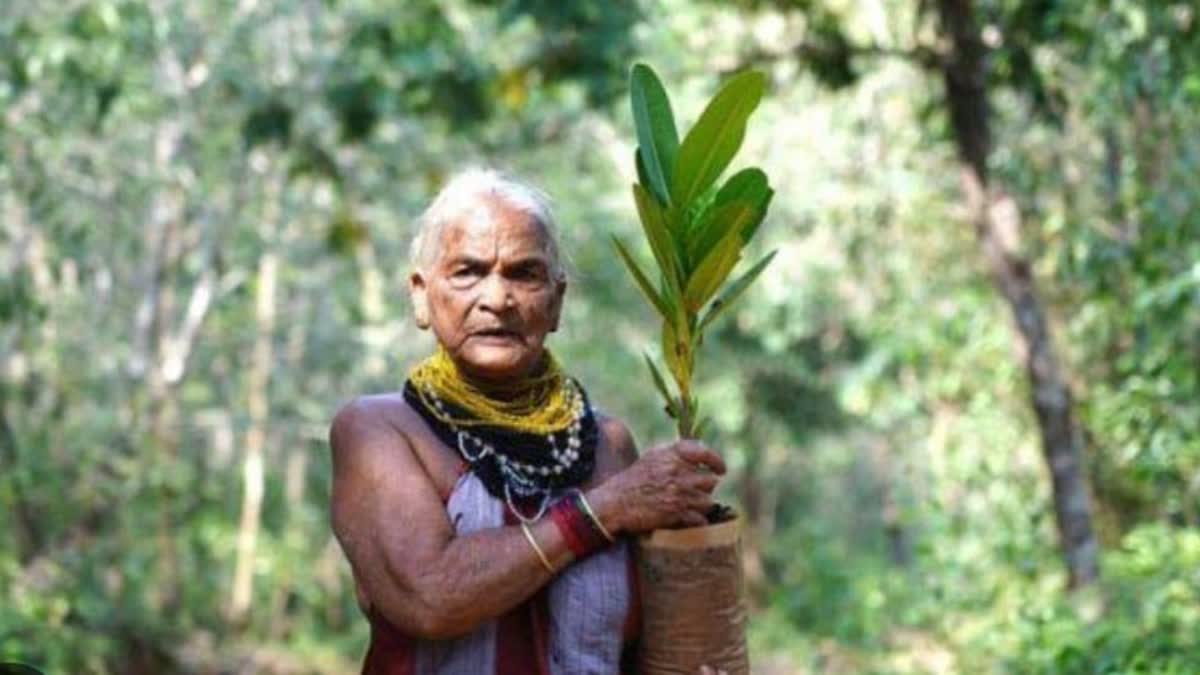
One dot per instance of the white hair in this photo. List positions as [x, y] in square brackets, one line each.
[472, 188]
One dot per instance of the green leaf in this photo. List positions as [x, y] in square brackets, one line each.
[661, 384]
[661, 242]
[642, 281]
[658, 141]
[751, 228]
[746, 188]
[735, 290]
[716, 224]
[715, 267]
[643, 177]
[696, 211]
[748, 185]
[716, 137]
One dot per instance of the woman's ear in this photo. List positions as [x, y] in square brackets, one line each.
[560, 290]
[420, 300]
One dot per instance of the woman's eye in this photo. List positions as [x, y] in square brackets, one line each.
[527, 274]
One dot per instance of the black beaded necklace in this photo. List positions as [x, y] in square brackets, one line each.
[523, 469]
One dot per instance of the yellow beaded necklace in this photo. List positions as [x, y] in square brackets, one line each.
[545, 403]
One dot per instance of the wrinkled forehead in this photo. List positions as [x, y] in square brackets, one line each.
[491, 227]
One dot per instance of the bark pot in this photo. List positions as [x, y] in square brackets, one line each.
[693, 612]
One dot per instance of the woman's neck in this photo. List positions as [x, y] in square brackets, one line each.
[501, 388]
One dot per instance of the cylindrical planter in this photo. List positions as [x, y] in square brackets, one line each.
[693, 611]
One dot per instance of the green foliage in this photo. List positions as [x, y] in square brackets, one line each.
[696, 238]
[1151, 623]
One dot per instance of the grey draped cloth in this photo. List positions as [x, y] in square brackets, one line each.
[588, 604]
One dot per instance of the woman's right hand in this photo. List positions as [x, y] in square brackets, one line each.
[669, 486]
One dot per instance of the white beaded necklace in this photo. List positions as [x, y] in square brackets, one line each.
[517, 475]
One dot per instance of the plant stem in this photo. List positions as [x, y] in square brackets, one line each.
[686, 426]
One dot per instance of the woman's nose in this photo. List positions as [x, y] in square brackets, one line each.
[495, 294]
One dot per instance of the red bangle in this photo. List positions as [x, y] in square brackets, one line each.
[581, 537]
[592, 520]
[562, 518]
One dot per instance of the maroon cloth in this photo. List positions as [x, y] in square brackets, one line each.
[521, 641]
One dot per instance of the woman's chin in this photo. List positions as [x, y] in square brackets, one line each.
[497, 360]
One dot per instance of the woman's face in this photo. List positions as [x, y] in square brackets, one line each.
[490, 295]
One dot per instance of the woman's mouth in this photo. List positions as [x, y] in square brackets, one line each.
[496, 334]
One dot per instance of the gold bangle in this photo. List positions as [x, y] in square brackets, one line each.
[595, 521]
[537, 549]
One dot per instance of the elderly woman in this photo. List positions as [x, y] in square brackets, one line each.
[485, 509]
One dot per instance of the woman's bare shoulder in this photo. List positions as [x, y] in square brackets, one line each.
[389, 409]
[387, 421]
[371, 415]
[617, 436]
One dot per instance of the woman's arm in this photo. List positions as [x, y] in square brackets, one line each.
[433, 584]
[394, 530]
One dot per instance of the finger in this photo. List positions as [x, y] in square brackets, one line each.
[704, 482]
[698, 501]
[663, 449]
[698, 453]
[694, 493]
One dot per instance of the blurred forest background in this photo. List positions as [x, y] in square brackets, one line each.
[960, 408]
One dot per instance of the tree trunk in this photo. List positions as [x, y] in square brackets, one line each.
[296, 455]
[167, 211]
[997, 221]
[374, 311]
[252, 466]
[257, 402]
[750, 496]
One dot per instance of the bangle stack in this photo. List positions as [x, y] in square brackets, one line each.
[587, 508]
[579, 526]
[537, 549]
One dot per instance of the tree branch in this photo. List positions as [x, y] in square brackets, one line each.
[922, 56]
